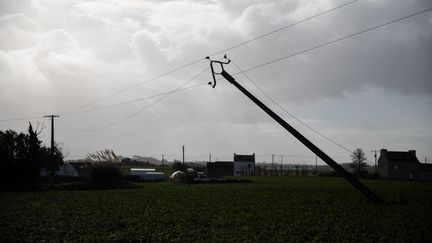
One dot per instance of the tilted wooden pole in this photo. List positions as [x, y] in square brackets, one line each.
[339, 169]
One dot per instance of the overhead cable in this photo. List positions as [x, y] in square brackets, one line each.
[146, 107]
[334, 41]
[287, 112]
[132, 101]
[22, 118]
[216, 53]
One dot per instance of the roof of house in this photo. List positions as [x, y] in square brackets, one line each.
[398, 156]
[244, 158]
[83, 168]
[426, 167]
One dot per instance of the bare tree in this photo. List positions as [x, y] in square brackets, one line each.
[358, 161]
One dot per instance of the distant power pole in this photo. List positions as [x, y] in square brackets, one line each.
[273, 164]
[52, 132]
[425, 160]
[281, 161]
[375, 156]
[183, 153]
[162, 159]
[209, 157]
[316, 164]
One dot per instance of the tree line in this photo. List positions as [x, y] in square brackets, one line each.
[22, 157]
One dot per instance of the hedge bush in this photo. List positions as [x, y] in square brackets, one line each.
[106, 176]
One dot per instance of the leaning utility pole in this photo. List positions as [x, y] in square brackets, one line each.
[339, 169]
[52, 132]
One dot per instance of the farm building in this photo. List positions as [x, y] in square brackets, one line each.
[147, 174]
[403, 165]
[242, 165]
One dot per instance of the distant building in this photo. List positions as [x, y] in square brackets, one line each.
[147, 174]
[220, 169]
[403, 165]
[243, 165]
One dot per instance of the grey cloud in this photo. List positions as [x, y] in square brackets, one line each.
[79, 51]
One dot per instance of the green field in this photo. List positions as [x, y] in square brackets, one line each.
[271, 209]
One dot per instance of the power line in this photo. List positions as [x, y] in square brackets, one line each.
[262, 64]
[190, 63]
[144, 108]
[313, 48]
[283, 109]
[216, 53]
[22, 118]
[283, 28]
[287, 112]
[105, 107]
[138, 84]
[334, 41]
[133, 100]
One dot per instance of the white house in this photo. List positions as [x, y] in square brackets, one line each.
[244, 165]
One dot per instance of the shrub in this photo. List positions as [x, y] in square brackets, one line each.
[106, 176]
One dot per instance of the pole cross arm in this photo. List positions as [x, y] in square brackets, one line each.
[371, 196]
[216, 73]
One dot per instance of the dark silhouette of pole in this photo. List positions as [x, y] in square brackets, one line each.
[52, 132]
[339, 169]
[273, 164]
[183, 153]
[51, 163]
[281, 166]
[162, 159]
[375, 156]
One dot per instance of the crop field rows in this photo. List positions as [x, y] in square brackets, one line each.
[275, 209]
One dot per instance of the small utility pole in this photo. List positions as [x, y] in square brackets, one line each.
[316, 165]
[52, 132]
[375, 156]
[183, 153]
[162, 159]
[273, 164]
[52, 167]
[281, 161]
[209, 157]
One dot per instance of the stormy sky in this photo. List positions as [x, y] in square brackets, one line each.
[85, 60]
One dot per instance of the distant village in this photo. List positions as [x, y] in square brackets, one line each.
[393, 165]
